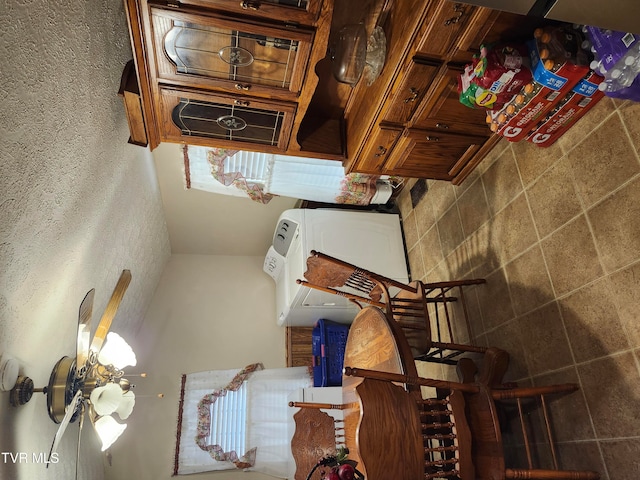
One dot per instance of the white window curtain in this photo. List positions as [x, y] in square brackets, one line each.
[269, 415]
[266, 425]
[261, 176]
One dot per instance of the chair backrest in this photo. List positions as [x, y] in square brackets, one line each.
[410, 312]
[317, 435]
[447, 438]
[483, 423]
[336, 276]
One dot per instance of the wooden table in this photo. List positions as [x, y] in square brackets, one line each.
[382, 423]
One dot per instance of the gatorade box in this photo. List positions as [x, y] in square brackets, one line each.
[552, 53]
[573, 106]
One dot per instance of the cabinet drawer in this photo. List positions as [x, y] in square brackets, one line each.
[446, 27]
[444, 112]
[223, 120]
[409, 89]
[432, 154]
[377, 149]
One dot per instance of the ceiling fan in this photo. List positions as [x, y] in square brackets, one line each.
[92, 380]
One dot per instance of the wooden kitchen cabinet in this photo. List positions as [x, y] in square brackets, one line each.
[258, 75]
[220, 73]
[432, 154]
[304, 12]
[188, 116]
[443, 110]
[428, 44]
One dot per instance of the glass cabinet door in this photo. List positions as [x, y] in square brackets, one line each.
[297, 11]
[224, 120]
[211, 52]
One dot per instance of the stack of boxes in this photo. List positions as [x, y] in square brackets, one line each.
[563, 88]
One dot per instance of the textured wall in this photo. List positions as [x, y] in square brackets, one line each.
[77, 203]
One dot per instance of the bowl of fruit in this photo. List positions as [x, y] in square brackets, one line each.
[337, 467]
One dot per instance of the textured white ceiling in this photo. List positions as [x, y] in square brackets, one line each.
[77, 203]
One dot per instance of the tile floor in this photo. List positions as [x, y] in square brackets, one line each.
[556, 234]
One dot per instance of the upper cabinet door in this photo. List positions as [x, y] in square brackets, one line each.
[288, 11]
[212, 52]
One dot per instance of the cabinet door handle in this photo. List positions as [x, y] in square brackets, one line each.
[442, 126]
[381, 151]
[241, 86]
[414, 95]
[250, 5]
[432, 139]
[241, 103]
[459, 11]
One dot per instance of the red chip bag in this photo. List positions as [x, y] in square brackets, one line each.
[499, 72]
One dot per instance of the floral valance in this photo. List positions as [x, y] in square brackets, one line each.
[216, 158]
[204, 422]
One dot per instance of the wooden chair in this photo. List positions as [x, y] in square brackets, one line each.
[462, 431]
[409, 306]
[317, 435]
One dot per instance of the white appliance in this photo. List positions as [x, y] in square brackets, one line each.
[369, 240]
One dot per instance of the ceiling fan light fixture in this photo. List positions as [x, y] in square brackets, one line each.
[127, 402]
[108, 430]
[117, 352]
[106, 399]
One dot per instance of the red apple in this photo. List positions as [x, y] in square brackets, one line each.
[332, 475]
[346, 472]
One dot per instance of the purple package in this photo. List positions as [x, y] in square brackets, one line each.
[610, 46]
[631, 92]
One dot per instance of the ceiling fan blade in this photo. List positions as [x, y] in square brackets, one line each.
[70, 410]
[84, 329]
[110, 311]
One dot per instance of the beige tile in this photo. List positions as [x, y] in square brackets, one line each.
[438, 272]
[592, 322]
[571, 257]
[621, 458]
[576, 134]
[493, 155]
[583, 455]
[410, 230]
[616, 226]
[603, 161]
[431, 249]
[513, 230]
[507, 337]
[425, 218]
[481, 251]
[625, 285]
[630, 113]
[553, 198]
[403, 201]
[612, 384]
[533, 161]
[502, 181]
[473, 207]
[529, 281]
[442, 196]
[458, 262]
[569, 414]
[495, 302]
[544, 340]
[450, 229]
[416, 266]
